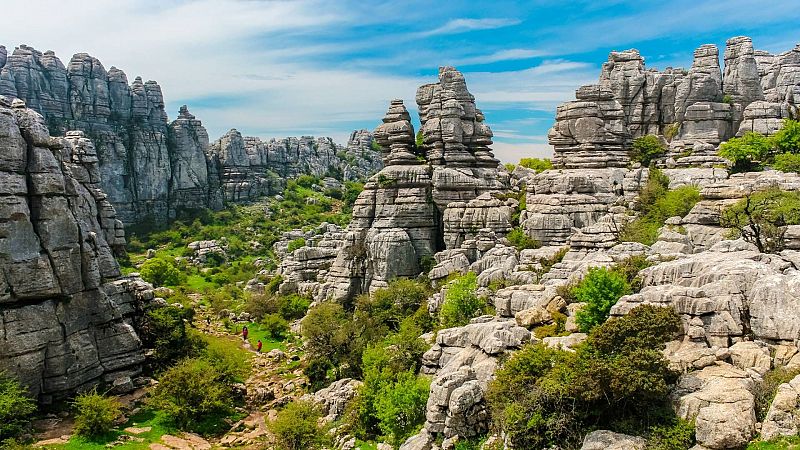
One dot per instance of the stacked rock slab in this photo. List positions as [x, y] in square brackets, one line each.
[695, 109]
[394, 222]
[151, 169]
[66, 315]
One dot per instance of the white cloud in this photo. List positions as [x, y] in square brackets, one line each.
[502, 55]
[464, 25]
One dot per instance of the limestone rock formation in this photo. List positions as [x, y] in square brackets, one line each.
[67, 314]
[695, 109]
[152, 169]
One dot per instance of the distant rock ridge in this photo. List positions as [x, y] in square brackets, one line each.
[150, 168]
[426, 198]
[693, 109]
[66, 313]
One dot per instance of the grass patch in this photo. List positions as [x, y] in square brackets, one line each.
[782, 443]
[157, 421]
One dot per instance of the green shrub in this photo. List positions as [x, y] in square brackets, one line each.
[226, 355]
[646, 148]
[656, 204]
[746, 152]
[295, 244]
[519, 239]
[761, 217]
[765, 392]
[676, 436]
[161, 272]
[191, 392]
[16, 407]
[600, 289]
[297, 427]
[461, 303]
[537, 164]
[787, 139]
[95, 414]
[391, 305]
[329, 339]
[400, 407]
[618, 379]
[165, 331]
[275, 325]
[672, 130]
[420, 138]
[375, 146]
[727, 99]
[787, 162]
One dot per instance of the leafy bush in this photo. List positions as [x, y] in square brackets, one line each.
[420, 139]
[232, 362]
[618, 379]
[601, 288]
[519, 239]
[787, 139]
[676, 436]
[164, 330]
[295, 244]
[297, 427]
[275, 325]
[761, 217]
[391, 305]
[765, 392]
[400, 406]
[656, 204]
[646, 148]
[95, 414]
[16, 406]
[787, 162]
[192, 391]
[537, 164]
[329, 340]
[461, 303]
[746, 152]
[161, 272]
[290, 307]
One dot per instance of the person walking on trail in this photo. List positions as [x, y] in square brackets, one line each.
[244, 333]
[259, 346]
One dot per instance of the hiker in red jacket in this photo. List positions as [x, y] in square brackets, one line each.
[244, 333]
[259, 346]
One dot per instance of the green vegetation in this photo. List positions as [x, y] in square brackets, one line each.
[537, 164]
[161, 272]
[400, 406]
[295, 244]
[600, 289]
[16, 407]
[618, 379]
[753, 150]
[761, 217]
[95, 414]
[419, 139]
[276, 326]
[672, 130]
[781, 443]
[461, 303]
[787, 162]
[765, 391]
[158, 423]
[194, 393]
[519, 239]
[647, 148]
[297, 427]
[747, 152]
[165, 331]
[657, 203]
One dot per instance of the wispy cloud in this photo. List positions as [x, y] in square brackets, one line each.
[456, 26]
[513, 54]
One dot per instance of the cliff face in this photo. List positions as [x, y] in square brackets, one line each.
[694, 109]
[426, 198]
[65, 312]
[150, 168]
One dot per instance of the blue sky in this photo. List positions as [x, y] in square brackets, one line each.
[275, 68]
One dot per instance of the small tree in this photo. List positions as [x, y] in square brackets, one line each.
[600, 289]
[787, 139]
[95, 414]
[161, 272]
[16, 406]
[646, 148]
[192, 391]
[400, 406]
[537, 164]
[746, 152]
[761, 217]
[275, 325]
[787, 162]
[461, 303]
[297, 427]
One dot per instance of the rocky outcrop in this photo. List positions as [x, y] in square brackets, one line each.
[152, 169]
[66, 314]
[694, 109]
[608, 440]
